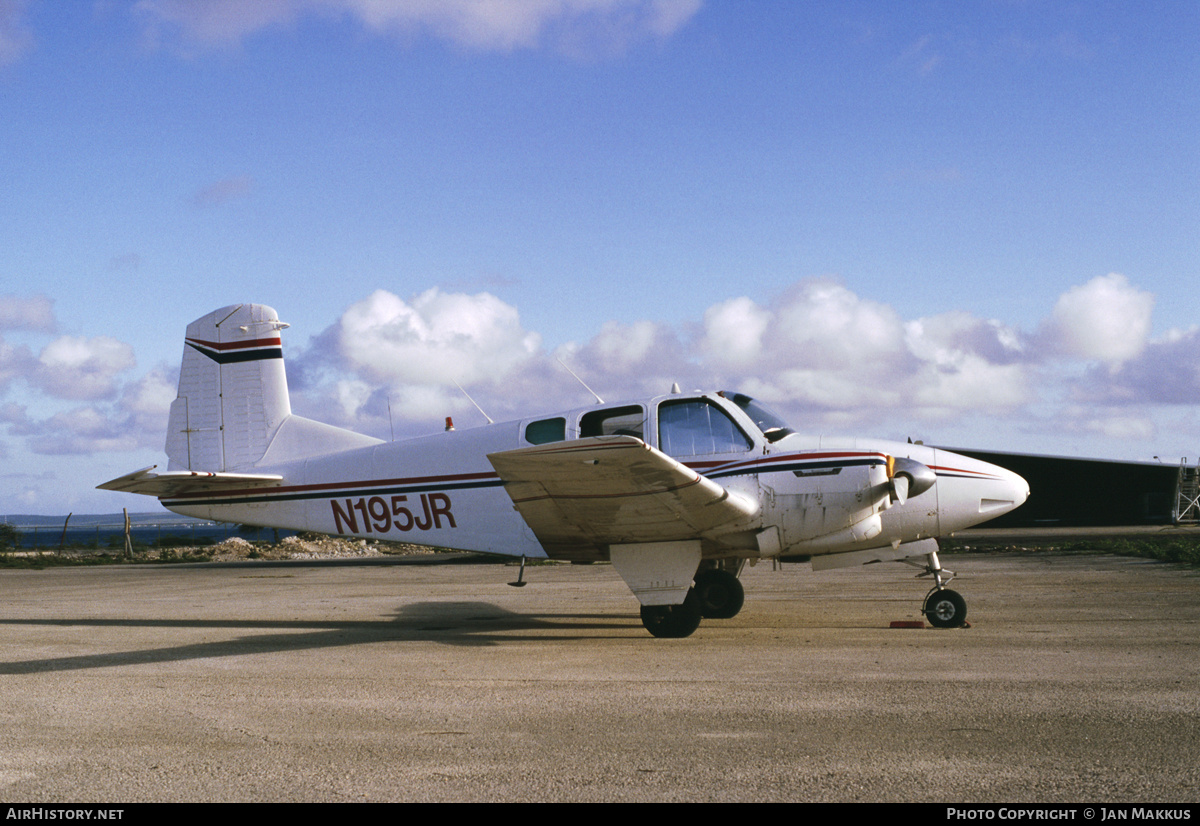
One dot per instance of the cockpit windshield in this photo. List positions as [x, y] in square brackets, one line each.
[773, 427]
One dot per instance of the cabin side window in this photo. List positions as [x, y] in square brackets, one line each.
[615, 421]
[545, 431]
[696, 427]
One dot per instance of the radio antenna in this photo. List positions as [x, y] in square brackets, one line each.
[581, 381]
[472, 401]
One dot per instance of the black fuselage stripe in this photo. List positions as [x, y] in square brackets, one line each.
[787, 467]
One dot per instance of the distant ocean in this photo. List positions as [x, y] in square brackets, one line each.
[108, 529]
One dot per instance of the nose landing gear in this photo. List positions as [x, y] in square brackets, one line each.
[943, 607]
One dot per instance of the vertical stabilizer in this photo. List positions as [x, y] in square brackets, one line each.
[233, 393]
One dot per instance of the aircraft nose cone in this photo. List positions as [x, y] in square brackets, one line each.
[1007, 493]
[972, 491]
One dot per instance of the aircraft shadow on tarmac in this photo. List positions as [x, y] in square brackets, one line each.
[448, 623]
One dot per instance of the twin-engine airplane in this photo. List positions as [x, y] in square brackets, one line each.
[678, 491]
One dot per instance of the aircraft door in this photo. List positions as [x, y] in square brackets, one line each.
[697, 427]
[701, 435]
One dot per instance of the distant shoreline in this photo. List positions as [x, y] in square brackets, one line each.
[27, 520]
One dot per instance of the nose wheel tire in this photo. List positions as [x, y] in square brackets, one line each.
[945, 608]
[719, 594]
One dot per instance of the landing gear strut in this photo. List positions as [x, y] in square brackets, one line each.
[943, 607]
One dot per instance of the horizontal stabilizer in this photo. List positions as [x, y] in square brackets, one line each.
[182, 482]
[608, 490]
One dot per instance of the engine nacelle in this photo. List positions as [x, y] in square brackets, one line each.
[837, 504]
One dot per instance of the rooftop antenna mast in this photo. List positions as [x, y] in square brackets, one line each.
[581, 381]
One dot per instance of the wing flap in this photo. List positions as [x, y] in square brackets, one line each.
[182, 482]
[613, 490]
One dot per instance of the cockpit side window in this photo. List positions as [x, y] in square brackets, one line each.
[546, 430]
[696, 427]
[615, 421]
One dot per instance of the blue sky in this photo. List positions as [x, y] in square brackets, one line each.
[969, 222]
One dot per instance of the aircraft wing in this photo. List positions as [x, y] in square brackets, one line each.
[583, 494]
[182, 482]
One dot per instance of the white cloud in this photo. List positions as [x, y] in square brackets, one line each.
[823, 325]
[351, 396]
[966, 363]
[136, 420]
[946, 338]
[1107, 319]
[665, 17]
[818, 346]
[630, 360]
[820, 353]
[1117, 425]
[33, 313]
[71, 367]
[971, 383]
[223, 191]
[425, 403]
[485, 25]
[623, 346]
[832, 390]
[823, 354]
[15, 362]
[826, 358]
[212, 22]
[921, 55]
[733, 332]
[82, 430]
[15, 36]
[1167, 371]
[435, 339]
[146, 403]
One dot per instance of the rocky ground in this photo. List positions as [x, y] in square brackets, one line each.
[304, 546]
[307, 546]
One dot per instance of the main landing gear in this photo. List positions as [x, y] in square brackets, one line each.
[672, 621]
[716, 593]
[943, 607]
[719, 593]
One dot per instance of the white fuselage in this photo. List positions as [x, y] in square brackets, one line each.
[817, 495]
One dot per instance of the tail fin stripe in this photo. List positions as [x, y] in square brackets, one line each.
[265, 349]
[236, 345]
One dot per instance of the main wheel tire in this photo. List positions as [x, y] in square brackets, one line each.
[946, 609]
[672, 621]
[719, 594]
